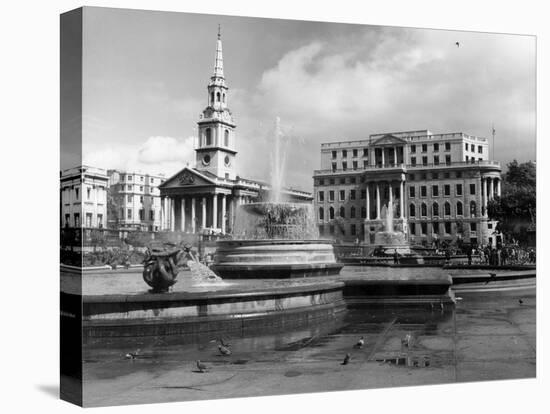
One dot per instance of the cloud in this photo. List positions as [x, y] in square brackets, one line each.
[157, 154]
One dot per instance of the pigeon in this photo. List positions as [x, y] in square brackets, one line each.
[200, 366]
[224, 350]
[360, 343]
[226, 344]
[132, 355]
[520, 302]
[457, 44]
[346, 360]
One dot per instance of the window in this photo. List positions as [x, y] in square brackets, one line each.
[363, 194]
[218, 96]
[321, 213]
[480, 159]
[412, 210]
[321, 196]
[436, 159]
[129, 178]
[344, 165]
[413, 160]
[459, 189]
[331, 229]
[423, 228]
[355, 153]
[459, 210]
[141, 214]
[129, 187]
[435, 209]
[459, 174]
[352, 230]
[211, 98]
[344, 153]
[447, 146]
[141, 178]
[436, 147]
[424, 147]
[363, 212]
[435, 176]
[100, 220]
[152, 180]
[152, 215]
[411, 177]
[352, 194]
[343, 212]
[473, 227]
[448, 227]
[412, 191]
[424, 160]
[467, 158]
[342, 195]
[352, 212]
[76, 190]
[365, 164]
[331, 213]
[333, 166]
[208, 133]
[412, 226]
[67, 220]
[88, 220]
[88, 193]
[226, 138]
[223, 98]
[331, 181]
[423, 210]
[140, 188]
[355, 166]
[447, 208]
[141, 199]
[472, 189]
[423, 191]
[480, 149]
[446, 175]
[365, 152]
[423, 176]
[129, 211]
[331, 195]
[129, 198]
[333, 154]
[77, 219]
[447, 190]
[413, 149]
[466, 145]
[472, 208]
[473, 160]
[435, 191]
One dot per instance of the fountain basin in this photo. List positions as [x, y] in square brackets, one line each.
[274, 259]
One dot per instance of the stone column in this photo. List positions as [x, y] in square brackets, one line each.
[383, 161]
[223, 213]
[203, 212]
[215, 211]
[390, 197]
[401, 199]
[193, 215]
[394, 155]
[377, 201]
[162, 213]
[172, 214]
[483, 197]
[368, 201]
[498, 187]
[491, 189]
[182, 228]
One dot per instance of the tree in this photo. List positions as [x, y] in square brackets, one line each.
[516, 208]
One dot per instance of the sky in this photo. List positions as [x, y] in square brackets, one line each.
[145, 75]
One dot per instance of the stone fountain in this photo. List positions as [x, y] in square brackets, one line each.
[275, 239]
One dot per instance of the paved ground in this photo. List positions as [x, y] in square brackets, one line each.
[489, 335]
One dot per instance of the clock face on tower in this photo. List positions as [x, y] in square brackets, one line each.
[227, 160]
[206, 159]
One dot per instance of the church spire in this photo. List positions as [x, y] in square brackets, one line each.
[218, 66]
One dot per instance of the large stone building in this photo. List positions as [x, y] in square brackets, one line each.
[206, 197]
[437, 184]
[83, 192]
[134, 200]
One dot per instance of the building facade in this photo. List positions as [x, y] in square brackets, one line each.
[206, 197]
[134, 200]
[437, 187]
[83, 197]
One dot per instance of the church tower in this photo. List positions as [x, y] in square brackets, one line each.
[215, 152]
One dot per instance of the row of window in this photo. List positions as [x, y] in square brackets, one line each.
[472, 148]
[435, 212]
[436, 160]
[436, 228]
[410, 177]
[141, 214]
[141, 179]
[130, 187]
[130, 198]
[435, 190]
[99, 191]
[208, 137]
[355, 153]
[342, 211]
[219, 97]
[88, 220]
[330, 229]
[424, 147]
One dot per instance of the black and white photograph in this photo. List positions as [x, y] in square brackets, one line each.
[266, 206]
[236, 207]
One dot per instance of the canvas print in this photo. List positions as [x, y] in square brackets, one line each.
[254, 206]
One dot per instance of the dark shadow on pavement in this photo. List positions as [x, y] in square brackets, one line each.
[49, 389]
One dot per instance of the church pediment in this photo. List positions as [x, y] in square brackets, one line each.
[389, 140]
[187, 177]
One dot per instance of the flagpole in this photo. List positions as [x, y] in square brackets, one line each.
[493, 132]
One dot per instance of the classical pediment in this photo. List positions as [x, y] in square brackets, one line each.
[187, 177]
[389, 140]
